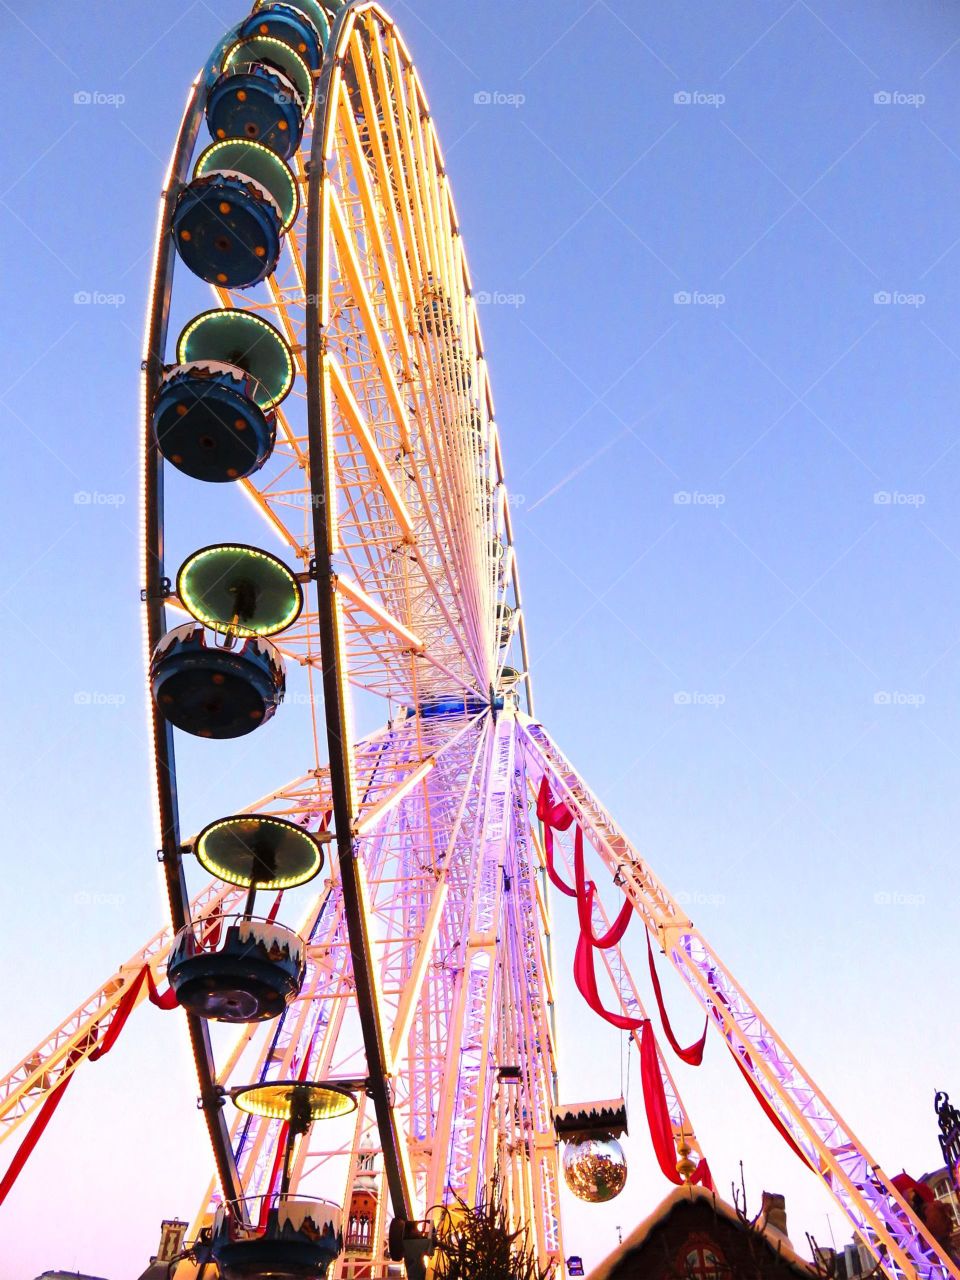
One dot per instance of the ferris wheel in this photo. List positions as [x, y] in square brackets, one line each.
[369, 972]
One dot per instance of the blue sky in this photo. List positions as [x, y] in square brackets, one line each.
[736, 519]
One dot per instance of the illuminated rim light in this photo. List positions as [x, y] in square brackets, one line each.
[190, 346]
[202, 584]
[269, 48]
[273, 1101]
[255, 161]
[228, 849]
[310, 9]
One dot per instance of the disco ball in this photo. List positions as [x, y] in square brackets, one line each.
[595, 1169]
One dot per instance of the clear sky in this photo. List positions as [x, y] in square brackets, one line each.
[736, 520]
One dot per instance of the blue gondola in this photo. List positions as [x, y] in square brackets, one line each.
[258, 102]
[292, 26]
[298, 1241]
[248, 971]
[215, 691]
[208, 422]
[227, 229]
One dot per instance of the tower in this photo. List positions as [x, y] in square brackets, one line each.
[361, 1230]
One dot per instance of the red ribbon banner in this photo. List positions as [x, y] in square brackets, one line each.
[53, 1099]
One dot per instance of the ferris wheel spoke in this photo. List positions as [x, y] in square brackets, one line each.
[377, 253]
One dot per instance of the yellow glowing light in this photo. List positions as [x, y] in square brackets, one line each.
[274, 1101]
[208, 163]
[198, 603]
[308, 845]
[297, 71]
[269, 334]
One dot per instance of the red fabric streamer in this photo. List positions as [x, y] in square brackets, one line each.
[658, 1115]
[210, 936]
[909, 1187]
[275, 908]
[768, 1109]
[167, 1000]
[655, 1103]
[585, 894]
[703, 1176]
[693, 1054]
[44, 1116]
[553, 815]
[586, 979]
[162, 1000]
[558, 817]
[744, 1064]
[53, 1099]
